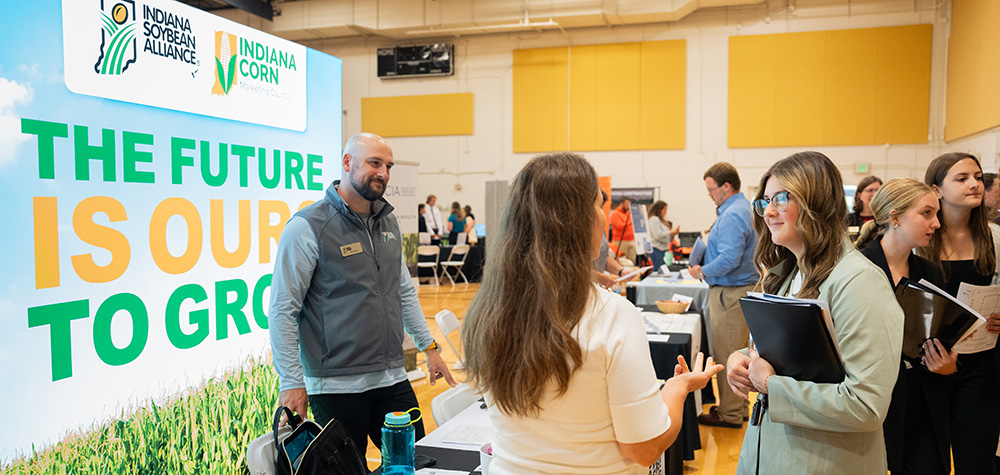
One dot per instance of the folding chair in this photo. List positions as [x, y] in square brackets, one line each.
[449, 403]
[456, 260]
[447, 322]
[432, 265]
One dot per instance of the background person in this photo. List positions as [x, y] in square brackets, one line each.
[433, 217]
[605, 266]
[861, 212]
[622, 231]
[565, 366]
[456, 222]
[810, 427]
[729, 271]
[965, 249]
[992, 197]
[470, 226]
[660, 233]
[421, 219]
[337, 316]
[905, 216]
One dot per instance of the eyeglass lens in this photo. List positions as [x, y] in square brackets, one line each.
[780, 201]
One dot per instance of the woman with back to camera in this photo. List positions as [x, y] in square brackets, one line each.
[565, 366]
[861, 212]
[456, 222]
[965, 249]
[905, 216]
[807, 427]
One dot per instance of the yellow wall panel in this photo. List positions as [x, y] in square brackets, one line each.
[664, 98]
[415, 116]
[904, 77]
[850, 73]
[846, 87]
[800, 82]
[540, 99]
[752, 92]
[618, 98]
[973, 97]
[583, 98]
[628, 96]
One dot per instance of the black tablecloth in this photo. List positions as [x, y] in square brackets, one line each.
[664, 357]
[473, 268]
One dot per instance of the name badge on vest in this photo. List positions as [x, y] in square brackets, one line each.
[348, 250]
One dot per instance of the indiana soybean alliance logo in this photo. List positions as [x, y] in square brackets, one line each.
[165, 34]
[260, 64]
[117, 37]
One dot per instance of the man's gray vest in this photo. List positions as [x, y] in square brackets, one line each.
[352, 315]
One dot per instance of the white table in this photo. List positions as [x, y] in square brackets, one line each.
[470, 420]
[660, 287]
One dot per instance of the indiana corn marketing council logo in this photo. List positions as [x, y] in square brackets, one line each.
[225, 63]
[118, 43]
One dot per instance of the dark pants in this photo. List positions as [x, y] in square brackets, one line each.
[364, 414]
[975, 415]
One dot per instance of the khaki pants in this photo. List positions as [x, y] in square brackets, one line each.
[729, 333]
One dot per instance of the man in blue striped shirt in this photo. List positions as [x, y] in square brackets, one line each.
[728, 269]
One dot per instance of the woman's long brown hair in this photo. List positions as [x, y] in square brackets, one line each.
[518, 332]
[814, 182]
[979, 227]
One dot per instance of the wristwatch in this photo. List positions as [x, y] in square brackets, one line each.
[433, 346]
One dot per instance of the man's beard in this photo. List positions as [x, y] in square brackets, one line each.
[366, 191]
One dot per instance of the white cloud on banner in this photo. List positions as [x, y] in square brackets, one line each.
[12, 94]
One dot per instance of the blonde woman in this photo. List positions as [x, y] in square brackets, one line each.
[810, 427]
[565, 366]
[904, 214]
[965, 249]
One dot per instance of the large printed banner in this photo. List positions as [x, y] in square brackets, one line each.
[150, 154]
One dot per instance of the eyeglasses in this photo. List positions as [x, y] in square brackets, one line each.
[780, 200]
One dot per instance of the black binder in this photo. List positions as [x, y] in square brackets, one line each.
[794, 338]
[931, 313]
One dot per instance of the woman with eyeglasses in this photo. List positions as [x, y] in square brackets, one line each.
[965, 249]
[861, 212]
[905, 216]
[810, 427]
[564, 365]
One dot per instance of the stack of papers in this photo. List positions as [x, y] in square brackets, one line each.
[663, 323]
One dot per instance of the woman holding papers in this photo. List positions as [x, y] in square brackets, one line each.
[916, 435]
[563, 365]
[965, 249]
[808, 427]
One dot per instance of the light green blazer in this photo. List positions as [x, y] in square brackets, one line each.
[813, 428]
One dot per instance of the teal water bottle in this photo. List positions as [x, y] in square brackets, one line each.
[397, 444]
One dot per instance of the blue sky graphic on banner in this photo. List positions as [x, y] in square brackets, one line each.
[140, 230]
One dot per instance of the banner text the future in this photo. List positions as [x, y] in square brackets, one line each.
[285, 167]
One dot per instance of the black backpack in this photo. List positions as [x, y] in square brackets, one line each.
[314, 450]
